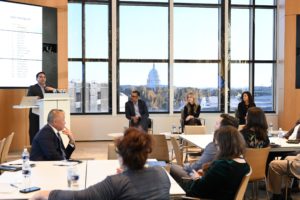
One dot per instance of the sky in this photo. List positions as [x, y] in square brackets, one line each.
[144, 35]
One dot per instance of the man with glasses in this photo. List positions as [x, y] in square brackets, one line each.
[137, 112]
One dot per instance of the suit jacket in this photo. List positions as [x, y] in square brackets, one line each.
[35, 90]
[129, 109]
[46, 146]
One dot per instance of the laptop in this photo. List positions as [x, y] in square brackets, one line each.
[29, 101]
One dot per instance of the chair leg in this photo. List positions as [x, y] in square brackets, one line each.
[267, 188]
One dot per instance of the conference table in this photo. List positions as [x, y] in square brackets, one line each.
[277, 144]
[50, 175]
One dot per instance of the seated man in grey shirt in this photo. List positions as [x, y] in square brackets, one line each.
[209, 153]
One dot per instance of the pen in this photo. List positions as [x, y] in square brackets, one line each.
[13, 185]
[16, 164]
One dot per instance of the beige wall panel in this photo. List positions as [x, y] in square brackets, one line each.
[13, 120]
[292, 7]
[292, 95]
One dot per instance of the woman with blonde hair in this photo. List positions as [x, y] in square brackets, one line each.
[191, 111]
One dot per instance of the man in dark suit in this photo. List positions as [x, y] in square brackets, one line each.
[47, 144]
[37, 90]
[137, 112]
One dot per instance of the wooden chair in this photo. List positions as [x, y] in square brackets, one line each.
[177, 151]
[160, 148]
[243, 186]
[111, 152]
[257, 159]
[2, 142]
[241, 126]
[6, 148]
[194, 130]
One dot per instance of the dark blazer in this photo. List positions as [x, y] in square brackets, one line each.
[129, 109]
[35, 90]
[46, 146]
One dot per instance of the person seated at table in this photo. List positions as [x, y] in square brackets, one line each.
[294, 133]
[134, 180]
[280, 173]
[47, 143]
[255, 131]
[246, 103]
[191, 111]
[210, 151]
[137, 112]
[223, 177]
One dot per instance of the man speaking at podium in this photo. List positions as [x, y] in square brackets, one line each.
[37, 90]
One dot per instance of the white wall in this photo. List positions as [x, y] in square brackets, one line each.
[96, 127]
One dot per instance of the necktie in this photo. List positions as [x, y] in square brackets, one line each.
[61, 145]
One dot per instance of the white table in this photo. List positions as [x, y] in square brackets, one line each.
[48, 175]
[202, 140]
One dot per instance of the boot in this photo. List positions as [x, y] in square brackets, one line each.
[277, 197]
[289, 197]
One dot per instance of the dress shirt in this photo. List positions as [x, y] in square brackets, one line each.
[136, 108]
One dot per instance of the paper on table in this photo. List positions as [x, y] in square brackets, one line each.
[7, 188]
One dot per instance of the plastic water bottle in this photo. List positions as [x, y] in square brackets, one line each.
[173, 130]
[26, 168]
[280, 133]
[270, 127]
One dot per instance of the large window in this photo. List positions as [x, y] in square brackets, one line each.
[166, 52]
[89, 57]
[143, 54]
[197, 62]
[252, 52]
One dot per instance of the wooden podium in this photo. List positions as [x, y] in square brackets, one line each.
[52, 101]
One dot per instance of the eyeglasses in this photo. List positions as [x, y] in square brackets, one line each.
[134, 96]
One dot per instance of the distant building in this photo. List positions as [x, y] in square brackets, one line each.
[96, 97]
[153, 79]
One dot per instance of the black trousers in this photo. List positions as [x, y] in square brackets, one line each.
[34, 125]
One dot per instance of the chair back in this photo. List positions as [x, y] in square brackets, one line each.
[178, 153]
[111, 152]
[241, 126]
[243, 186]
[194, 130]
[160, 148]
[6, 148]
[2, 142]
[257, 159]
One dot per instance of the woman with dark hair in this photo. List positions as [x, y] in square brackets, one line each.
[134, 180]
[223, 177]
[247, 102]
[191, 111]
[255, 131]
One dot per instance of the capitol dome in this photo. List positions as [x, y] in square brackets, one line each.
[153, 78]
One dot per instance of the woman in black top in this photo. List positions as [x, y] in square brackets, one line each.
[247, 102]
[191, 111]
